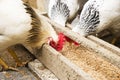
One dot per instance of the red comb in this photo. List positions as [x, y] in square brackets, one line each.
[62, 38]
[61, 41]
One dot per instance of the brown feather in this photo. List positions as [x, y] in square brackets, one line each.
[39, 33]
[33, 37]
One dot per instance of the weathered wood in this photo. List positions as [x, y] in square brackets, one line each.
[14, 75]
[61, 66]
[104, 44]
[42, 72]
[42, 5]
[31, 3]
[20, 52]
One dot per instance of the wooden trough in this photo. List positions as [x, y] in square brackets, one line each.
[94, 59]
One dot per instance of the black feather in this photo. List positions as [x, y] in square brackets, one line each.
[90, 18]
[33, 37]
[60, 8]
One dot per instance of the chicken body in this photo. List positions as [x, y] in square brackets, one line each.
[62, 10]
[98, 15]
[20, 24]
[14, 23]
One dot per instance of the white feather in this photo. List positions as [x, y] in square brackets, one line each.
[72, 5]
[13, 22]
[109, 16]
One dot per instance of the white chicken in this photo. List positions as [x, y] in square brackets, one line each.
[98, 15]
[62, 10]
[19, 24]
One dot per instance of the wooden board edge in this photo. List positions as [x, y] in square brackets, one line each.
[42, 72]
[61, 66]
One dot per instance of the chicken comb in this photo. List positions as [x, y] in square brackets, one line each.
[62, 39]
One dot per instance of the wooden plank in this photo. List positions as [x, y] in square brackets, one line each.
[61, 66]
[14, 75]
[42, 72]
[105, 44]
[31, 3]
[20, 52]
[42, 5]
[102, 43]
